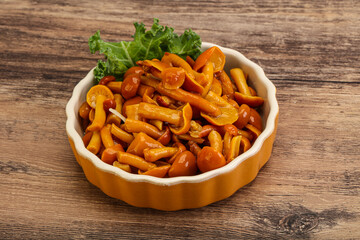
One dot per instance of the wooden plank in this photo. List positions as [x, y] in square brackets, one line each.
[308, 189]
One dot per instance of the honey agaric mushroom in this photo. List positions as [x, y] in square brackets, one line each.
[228, 114]
[226, 143]
[213, 55]
[151, 111]
[84, 110]
[227, 87]
[132, 112]
[215, 141]
[121, 134]
[135, 69]
[193, 99]
[122, 166]
[194, 147]
[159, 171]
[233, 130]
[136, 126]
[216, 87]
[176, 61]
[186, 115]
[164, 101]
[234, 148]
[106, 136]
[130, 85]
[144, 89]
[256, 132]
[114, 86]
[154, 154]
[184, 165]
[100, 114]
[105, 80]
[173, 77]
[209, 159]
[208, 71]
[165, 137]
[155, 63]
[245, 144]
[208, 128]
[149, 80]
[187, 137]
[95, 143]
[190, 84]
[181, 148]
[86, 138]
[157, 123]
[244, 116]
[255, 119]
[134, 100]
[244, 94]
[134, 160]
[109, 154]
[141, 142]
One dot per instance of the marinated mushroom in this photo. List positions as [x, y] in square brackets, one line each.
[180, 118]
[244, 94]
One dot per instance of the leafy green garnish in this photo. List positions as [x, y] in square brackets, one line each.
[150, 44]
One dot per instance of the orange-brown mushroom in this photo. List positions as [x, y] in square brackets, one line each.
[228, 114]
[209, 159]
[244, 116]
[173, 77]
[109, 155]
[121, 134]
[136, 126]
[130, 85]
[159, 171]
[194, 100]
[255, 119]
[255, 132]
[114, 86]
[244, 94]
[122, 166]
[194, 147]
[186, 115]
[184, 165]
[213, 55]
[165, 137]
[141, 142]
[134, 160]
[154, 154]
[216, 141]
[216, 87]
[234, 148]
[151, 111]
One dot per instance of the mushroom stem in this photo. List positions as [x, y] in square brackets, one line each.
[240, 81]
[194, 99]
[152, 155]
[151, 111]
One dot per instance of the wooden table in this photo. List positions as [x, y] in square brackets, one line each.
[310, 187]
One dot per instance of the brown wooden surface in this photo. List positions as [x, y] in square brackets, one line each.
[310, 187]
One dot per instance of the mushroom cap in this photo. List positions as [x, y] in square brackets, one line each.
[186, 118]
[209, 159]
[252, 101]
[229, 113]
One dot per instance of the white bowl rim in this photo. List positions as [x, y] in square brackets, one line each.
[269, 129]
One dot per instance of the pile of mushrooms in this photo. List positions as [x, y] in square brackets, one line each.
[172, 117]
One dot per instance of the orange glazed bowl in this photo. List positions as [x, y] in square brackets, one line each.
[177, 193]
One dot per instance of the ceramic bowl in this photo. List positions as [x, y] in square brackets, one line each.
[180, 192]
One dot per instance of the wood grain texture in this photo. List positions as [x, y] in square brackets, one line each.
[308, 190]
